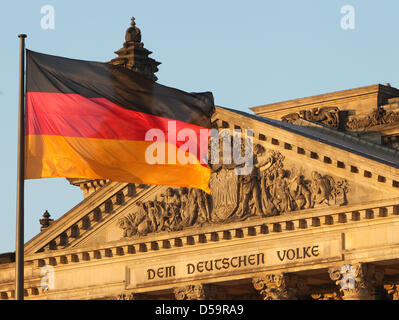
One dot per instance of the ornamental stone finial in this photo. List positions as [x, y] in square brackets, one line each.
[133, 34]
[134, 56]
[46, 221]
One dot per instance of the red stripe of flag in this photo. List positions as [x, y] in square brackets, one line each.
[73, 115]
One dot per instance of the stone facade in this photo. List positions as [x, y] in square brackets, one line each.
[316, 218]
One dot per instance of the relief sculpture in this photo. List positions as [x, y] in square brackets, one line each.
[325, 115]
[378, 116]
[269, 189]
[224, 186]
[179, 208]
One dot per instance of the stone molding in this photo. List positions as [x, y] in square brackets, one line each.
[332, 98]
[87, 186]
[29, 291]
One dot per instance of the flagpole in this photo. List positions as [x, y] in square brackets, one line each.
[19, 250]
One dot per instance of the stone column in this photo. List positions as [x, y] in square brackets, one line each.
[359, 281]
[281, 286]
[198, 292]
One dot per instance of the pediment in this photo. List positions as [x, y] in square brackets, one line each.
[303, 169]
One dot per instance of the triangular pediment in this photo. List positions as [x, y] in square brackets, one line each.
[304, 168]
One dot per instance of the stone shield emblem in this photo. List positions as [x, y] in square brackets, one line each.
[224, 192]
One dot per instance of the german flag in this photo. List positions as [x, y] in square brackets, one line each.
[94, 120]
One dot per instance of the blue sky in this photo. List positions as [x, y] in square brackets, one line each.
[248, 53]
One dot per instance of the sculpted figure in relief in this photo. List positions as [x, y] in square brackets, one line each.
[325, 115]
[136, 222]
[281, 195]
[301, 195]
[194, 208]
[269, 189]
[250, 186]
[378, 116]
[172, 209]
[320, 189]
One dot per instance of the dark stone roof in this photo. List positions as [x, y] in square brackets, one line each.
[7, 257]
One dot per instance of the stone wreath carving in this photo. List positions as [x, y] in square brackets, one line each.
[325, 115]
[270, 189]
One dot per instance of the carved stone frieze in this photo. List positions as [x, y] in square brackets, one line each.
[378, 116]
[325, 115]
[358, 281]
[280, 286]
[178, 208]
[269, 189]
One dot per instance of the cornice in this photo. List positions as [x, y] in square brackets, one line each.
[331, 97]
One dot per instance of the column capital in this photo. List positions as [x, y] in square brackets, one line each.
[199, 291]
[280, 286]
[326, 296]
[325, 292]
[357, 281]
[128, 296]
[192, 292]
[392, 291]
